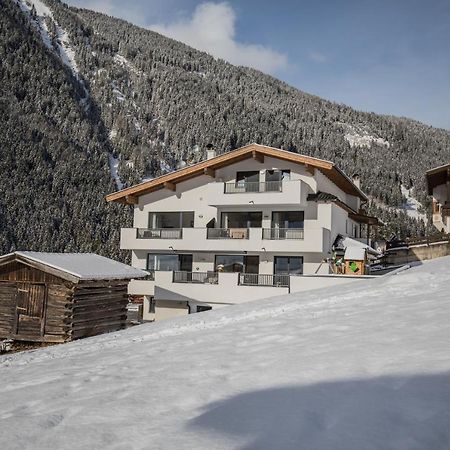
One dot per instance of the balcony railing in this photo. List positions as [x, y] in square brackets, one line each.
[227, 233]
[283, 233]
[267, 186]
[195, 277]
[159, 233]
[255, 279]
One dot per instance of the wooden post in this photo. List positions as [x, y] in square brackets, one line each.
[258, 156]
[209, 172]
[132, 200]
[309, 169]
[169, 185]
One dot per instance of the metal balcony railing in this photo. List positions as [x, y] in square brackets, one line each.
[195, 277]
[227, 233]
[159, 233]
[283, 233]
[255, 279]
[241, 187]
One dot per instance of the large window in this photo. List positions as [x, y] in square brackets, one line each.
[241, 219]
[288, 265]
[178, 219]
[237, 263]
[287, 219]
[169, 262]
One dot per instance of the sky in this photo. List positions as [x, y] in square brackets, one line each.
[385, 56]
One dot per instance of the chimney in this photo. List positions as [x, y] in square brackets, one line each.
[210, 152]
[356, 180]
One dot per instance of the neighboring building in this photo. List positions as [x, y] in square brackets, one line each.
[438, 181]
[59, 297]
[240, 226]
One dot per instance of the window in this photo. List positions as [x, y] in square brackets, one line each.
[275, 177]
[288, 219]
[288, 265]
[237, 263]
[177, 219]
[151, 305]
[201, 308]
[169, 262]
[247, 177]
[248, 181]
[241, 219]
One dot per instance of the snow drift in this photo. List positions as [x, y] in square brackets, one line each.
[353, 368]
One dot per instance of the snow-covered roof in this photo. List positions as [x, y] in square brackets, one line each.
[355, 253]
[84, 266]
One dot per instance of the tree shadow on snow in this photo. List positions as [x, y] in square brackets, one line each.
[398, 412]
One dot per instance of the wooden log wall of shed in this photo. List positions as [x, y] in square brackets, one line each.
[16, 271]
[8, 302]
[98, 307]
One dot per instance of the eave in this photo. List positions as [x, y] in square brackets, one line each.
[255, 151]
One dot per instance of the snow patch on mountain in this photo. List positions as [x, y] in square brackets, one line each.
[359, 136]
[114, 169]
[128, 64]
[62, 41]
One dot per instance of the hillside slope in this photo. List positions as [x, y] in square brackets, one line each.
[125, 103]
[347, 368]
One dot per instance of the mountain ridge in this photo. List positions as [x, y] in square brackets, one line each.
[154, 103]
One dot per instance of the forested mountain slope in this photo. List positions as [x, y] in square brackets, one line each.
[105, 94]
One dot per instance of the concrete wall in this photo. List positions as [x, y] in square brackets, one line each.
[167, 310]
[308, 283]
[226, 292]
[418, 253]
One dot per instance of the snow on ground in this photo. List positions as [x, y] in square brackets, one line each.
[114, 167]
[358, 367]
[412, 205]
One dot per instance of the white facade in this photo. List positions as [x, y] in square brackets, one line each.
[270, 250]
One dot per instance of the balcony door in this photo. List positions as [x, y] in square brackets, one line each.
[288, 265]
[169, 262]
[237, 263]
[287, 224]
[248, 181]
[167, 220]
[274, 179]
[241, 219]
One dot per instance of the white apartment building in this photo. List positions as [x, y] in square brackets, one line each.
[251, 223]
[438, 181]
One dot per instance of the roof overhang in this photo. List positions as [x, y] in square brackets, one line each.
[131, 195]
[437, 176]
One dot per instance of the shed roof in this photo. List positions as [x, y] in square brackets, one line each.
[355, 253]
[81, 266]
[256, 151]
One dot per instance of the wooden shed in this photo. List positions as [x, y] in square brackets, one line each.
[59, 297]
[355, 259]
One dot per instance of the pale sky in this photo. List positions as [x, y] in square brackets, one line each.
[386, 56]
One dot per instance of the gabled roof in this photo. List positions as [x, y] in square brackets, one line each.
[75, 266]
[256, 151]
[438, 175]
